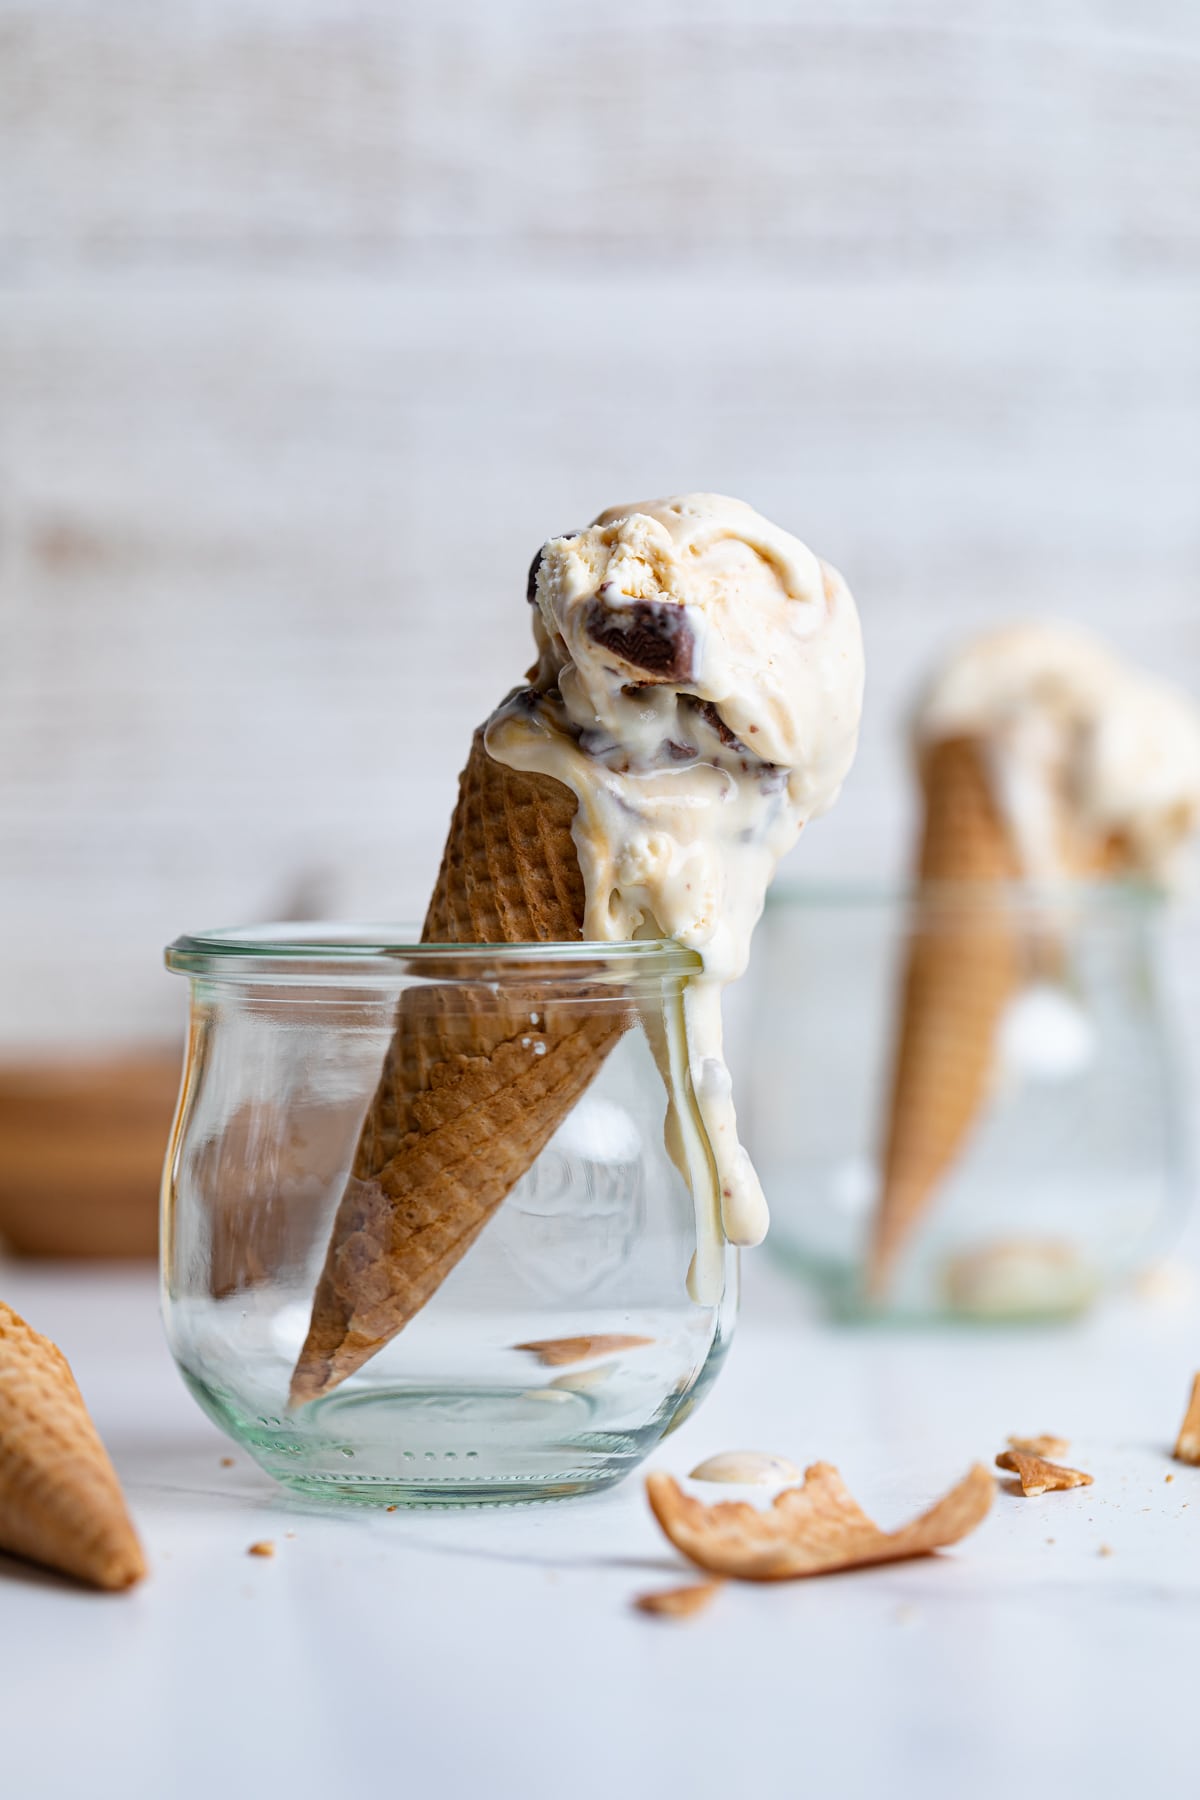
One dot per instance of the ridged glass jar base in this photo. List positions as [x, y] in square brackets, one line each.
[456, 1446]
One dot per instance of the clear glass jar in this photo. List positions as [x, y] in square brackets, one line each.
[1075, 1166]
[588, 1316]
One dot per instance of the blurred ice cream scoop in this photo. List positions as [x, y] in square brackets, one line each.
[1093, 766]
[1044, 758]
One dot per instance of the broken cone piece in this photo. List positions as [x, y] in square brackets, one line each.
[558, 1353]
[1037, 1476]
[1187, 1444]
[816, 1529]
[60, 1500]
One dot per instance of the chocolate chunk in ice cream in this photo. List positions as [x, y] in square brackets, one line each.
[650, 635]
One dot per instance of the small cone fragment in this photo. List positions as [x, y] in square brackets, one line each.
[962, 971]
[1187, 1444]
[60, 1500]
[679, 1602]
[561, 1353]
[1037, 1476]
[475, 1082]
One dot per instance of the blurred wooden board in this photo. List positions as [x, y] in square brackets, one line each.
[82, 1147]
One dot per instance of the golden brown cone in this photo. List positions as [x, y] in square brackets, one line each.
[965, 962]
[60, 1500]
[465, 1103]
[961, 973]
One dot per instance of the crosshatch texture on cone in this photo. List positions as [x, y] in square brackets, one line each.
[60, 1500]
[467, 1099]
[962, 969]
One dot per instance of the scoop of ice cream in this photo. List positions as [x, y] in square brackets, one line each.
[711, 667]
[1072, 734]
[700, 597]
[698, 688]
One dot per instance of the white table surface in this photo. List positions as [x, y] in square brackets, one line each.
[495, 1652]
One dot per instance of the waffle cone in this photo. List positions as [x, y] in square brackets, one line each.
[964, 966]
[466, 1101]
[962, 970]
[60, 1500]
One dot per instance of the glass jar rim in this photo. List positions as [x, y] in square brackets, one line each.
[350, 950]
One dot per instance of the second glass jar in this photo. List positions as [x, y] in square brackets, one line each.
[1074, 1165]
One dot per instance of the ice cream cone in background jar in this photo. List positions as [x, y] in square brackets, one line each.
[1043, 760]
[695, 701]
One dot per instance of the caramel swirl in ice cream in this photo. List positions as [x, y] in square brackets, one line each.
[1084, 753]
[698, 688]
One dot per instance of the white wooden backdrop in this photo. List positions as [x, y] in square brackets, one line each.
[316, 317]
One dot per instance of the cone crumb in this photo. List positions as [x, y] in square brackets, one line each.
[680, 1602]
[227, 1462]
[1105, 1550]
[264, 1547]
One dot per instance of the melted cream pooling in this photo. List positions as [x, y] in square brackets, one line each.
[747, 1468]
[698, 688]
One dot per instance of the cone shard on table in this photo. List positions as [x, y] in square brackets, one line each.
[475, 1083]
[60, 1501]
[962, 970]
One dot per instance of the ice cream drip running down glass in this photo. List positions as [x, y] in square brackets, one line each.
[695, 702]
[698, 689]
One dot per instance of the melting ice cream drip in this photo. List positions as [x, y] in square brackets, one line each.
[698, 688]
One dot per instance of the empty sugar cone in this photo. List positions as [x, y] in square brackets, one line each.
[475, 1081]
[60, 1500]
[962, 970]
